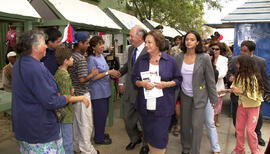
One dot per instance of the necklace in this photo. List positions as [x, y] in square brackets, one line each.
[155, 60]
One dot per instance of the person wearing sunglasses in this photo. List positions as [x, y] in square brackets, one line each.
[221, 63]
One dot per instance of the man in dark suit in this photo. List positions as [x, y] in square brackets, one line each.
[248, 48]
[131, 115]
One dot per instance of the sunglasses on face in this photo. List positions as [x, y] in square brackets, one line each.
[216, 49]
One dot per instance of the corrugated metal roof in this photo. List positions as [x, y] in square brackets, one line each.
[167, 31]
[82, 12]
[19, 7]
[127, 20]
[253, 11]
[220, 25]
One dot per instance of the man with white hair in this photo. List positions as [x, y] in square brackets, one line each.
[131, 115]
[7, 71]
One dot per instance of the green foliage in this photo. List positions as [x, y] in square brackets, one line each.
[180, 14]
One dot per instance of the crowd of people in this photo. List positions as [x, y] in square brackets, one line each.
[61, 95]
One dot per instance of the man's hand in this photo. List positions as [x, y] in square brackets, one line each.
[121, 89]
[114, 73]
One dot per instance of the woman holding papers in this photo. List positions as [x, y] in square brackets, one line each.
[155, 76]
[198, 84]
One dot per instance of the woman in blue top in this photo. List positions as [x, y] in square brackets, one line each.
[156, 112]
[34, 97]
[100, 88]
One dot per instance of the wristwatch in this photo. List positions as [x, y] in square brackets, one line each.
[107, 73]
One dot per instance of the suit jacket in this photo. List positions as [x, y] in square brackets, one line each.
[261, 66]
[130, 92]
[203, 80]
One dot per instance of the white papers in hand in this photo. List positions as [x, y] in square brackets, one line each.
[151, 77]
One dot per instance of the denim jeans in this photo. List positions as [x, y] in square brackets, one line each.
[66, 131]
[210, 127]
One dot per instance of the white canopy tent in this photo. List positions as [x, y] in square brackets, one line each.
[167, 30]
[85, 13]
[127, 20]
[18, 7]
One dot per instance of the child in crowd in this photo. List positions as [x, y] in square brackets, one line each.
[64, 59]
[248, 85]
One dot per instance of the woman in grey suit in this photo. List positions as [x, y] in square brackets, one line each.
[198, 84]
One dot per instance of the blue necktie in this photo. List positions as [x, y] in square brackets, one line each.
[134, 56]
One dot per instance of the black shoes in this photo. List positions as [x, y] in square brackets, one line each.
[144, 149]
[131, 145]
[261, 142]
[106, 141]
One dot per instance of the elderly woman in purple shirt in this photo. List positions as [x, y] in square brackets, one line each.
[156, 112]
[34, 97]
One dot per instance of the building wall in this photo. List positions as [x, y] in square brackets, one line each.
[260, 34]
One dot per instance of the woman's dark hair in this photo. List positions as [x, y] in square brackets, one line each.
[198, 48]
[177, 37]
[52, 34]
[217, 34]
[29, 39]
[93, 42]
[159, 39]
[211, 53]
[61, 54]
[245, 75]
[221, 47]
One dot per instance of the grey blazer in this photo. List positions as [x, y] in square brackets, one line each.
[261, 66]
[130, 93]
[203, 80]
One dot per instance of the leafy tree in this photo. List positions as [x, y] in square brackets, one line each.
[180, 14]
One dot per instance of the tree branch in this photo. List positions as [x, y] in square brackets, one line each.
[137, 8]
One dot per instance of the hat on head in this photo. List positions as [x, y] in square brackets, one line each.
[11, 54]
[81, 36]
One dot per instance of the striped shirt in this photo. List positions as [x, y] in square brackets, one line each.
[78, 70]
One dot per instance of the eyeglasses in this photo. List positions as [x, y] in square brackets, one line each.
[216, 49]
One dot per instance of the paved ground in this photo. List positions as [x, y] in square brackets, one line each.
[8, 144]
